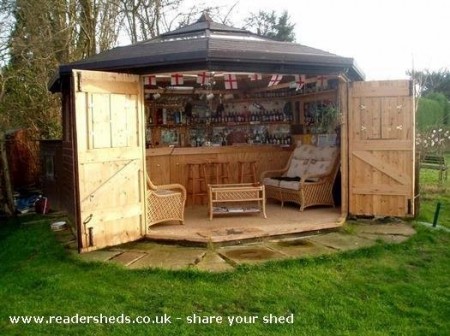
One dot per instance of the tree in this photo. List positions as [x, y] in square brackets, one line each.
[41, 35]
[431, 81]
[271, 25]
[431, 111]
[37, 36]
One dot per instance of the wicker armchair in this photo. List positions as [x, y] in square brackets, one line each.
[307, 179]
[165, 203]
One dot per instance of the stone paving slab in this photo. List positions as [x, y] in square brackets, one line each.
[212, 262]
[297, 248]
[146, 254]
[341, 241]
[250, 254]
[170, 257]
[140, 245]
[127, 258]
[101, 255]
[386, 229]
[387, 238]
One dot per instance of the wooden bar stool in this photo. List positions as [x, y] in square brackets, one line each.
[219, 172]
[197, 180]
[247, 169]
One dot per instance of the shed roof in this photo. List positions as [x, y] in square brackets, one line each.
[209, 45]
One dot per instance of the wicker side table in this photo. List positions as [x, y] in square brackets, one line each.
[227, 199]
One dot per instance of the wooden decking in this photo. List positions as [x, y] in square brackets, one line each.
[198, 229]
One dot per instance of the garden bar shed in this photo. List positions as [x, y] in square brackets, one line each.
[212, 101]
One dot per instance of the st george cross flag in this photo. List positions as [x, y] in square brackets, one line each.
[150, 80]
[321, 81]
[255, 76]
[275, 80]
[176, 79]
[300, 81]
[230, 81]
[203, 78]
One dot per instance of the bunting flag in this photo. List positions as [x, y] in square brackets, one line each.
[321, 81]
[176, 79]
[300, 81]
[275, 80]
[203, 78]
[255, 76]
[150, 80]
[230, 81]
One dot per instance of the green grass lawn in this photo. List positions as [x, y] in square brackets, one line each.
[431, 193]
[383, 290]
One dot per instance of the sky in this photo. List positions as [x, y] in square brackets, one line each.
[384, 37]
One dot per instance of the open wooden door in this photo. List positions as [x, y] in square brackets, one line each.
[111, 163]
[381, 148]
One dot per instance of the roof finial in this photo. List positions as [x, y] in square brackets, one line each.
[205, 17]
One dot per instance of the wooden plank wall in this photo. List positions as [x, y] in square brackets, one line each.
[67, 178]
[164, 166]
[51, 187]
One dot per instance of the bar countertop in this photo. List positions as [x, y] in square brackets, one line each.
[159, 151]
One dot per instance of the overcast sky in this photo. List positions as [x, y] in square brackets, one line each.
[384, 37]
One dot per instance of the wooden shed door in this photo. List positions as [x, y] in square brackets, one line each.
[381, 148]
[110, 153]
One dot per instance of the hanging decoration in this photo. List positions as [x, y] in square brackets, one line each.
[203, 78]
[255, 76]
[150, 80]
[322, 82]
[176, 79]
[275, 80]
[230, 82]
[300, 81]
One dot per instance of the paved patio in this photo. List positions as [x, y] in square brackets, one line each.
[148, 254]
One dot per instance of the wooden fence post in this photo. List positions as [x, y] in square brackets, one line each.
[5, 180]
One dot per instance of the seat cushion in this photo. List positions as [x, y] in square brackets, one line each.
[271, 182]
[165, 192]
[298, 167]
[319, 167]
[325, 153]
[304, 152]
[290, 185]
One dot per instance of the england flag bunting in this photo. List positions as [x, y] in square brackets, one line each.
[176, 79]
[255, 76]
[300, 81]
[150, 80]
[203, 78]
[322, 81]
[275, 80]
[230, 81]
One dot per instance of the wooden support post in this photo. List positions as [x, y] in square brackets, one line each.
[5, 180]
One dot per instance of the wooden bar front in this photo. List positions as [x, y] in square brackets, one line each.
[168, 165]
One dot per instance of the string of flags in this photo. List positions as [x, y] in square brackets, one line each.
[275, 80]
[204, 78]
[255, 77]
[231, 80]
[176, 79]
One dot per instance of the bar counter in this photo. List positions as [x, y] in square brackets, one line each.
[168, 164]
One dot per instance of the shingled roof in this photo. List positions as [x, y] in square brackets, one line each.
[208, 45]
